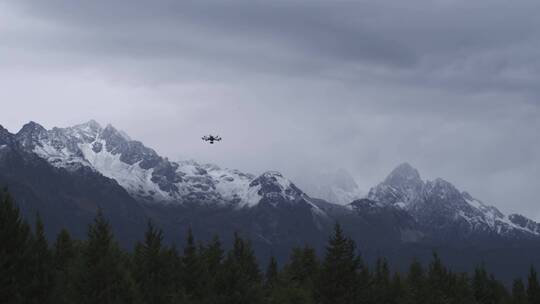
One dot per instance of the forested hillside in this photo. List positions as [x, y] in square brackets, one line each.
[96, 270]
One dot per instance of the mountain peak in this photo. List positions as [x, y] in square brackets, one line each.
[5, 136]
[31, 134]
[3, 130]
[404, 173]
[402, 187]
[272, 174]
[32, 127]
[271, 181]
[91, 124]
[111, 132]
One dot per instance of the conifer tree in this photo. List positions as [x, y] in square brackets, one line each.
[519, 296]
[480, 285]
[272, 282]
[337, 284]
[271, 277]
[533, 287]
[14, 251]
[381, 282]
[437, 280]
[102, 276]
[303, 267]
[150, 268]
[64, 250]
[364, 284]
[192, 272]
[486, 288]
[173, 261]
[460, 292]
[297, 282]
[240, 280]
[395, 291]
[41, 267]
[212, 257]
[415, 290]
[64, 255]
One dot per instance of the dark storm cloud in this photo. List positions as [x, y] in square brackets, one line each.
[437, 43]
[316, 28]
[448, 85]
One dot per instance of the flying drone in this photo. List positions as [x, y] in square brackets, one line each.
[211, 138]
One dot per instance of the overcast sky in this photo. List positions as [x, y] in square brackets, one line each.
[450, 86]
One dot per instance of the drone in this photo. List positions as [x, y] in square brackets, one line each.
[211, 138]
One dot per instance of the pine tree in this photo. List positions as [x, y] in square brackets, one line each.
[533, 288]
[64, 255]
[498, 292]
[192, 271]
[480, 286]
[381, 282]
[41, 267]
[64, 250]
[174, 272]
[364, 284]
[212, 256]
[415, 290]
[14, 251]
[303, 267]
[102, 276]
[240, 279]
[460, 292]
[337, 284]
[486, 288]
[396, 290]
[150, 268]
[271, 277]
[437, 280]
[297, 282]
[211, 259]
[519, 296]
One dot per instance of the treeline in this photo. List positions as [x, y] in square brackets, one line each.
[96, 271]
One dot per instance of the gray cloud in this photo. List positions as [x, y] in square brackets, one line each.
[450, 86]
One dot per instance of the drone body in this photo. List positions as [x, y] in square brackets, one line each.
[211, 138]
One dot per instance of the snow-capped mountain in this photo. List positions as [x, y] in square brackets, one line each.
[148, 176]
[439, 205]
[67, 174]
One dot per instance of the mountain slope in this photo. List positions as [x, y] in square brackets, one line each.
[66, 198]
[439, 207]
[147, 176]
[68, 173]
[72, 162]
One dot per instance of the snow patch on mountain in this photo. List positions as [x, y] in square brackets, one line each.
[148, 176]
[132, 177]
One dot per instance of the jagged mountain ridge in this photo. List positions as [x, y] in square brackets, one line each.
[149, 177]
[439, 205]
[67, 174]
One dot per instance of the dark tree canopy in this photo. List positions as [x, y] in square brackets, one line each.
[96, 270]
